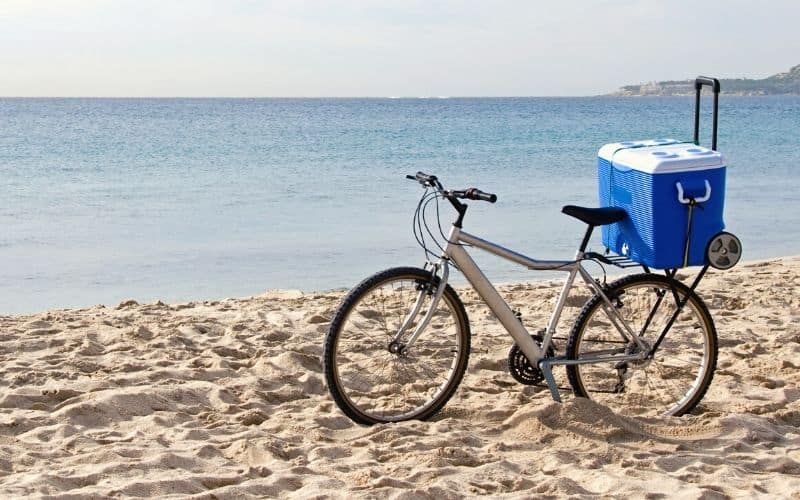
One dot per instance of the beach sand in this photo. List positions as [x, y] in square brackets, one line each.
[227, 399]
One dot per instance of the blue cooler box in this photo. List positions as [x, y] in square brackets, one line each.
[649, 179]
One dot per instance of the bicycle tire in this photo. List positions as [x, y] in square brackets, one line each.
[360, 334]
[678, 376]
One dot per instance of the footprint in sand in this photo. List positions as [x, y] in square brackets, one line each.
[276, 318]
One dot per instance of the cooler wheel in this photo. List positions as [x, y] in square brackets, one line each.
[724, 251]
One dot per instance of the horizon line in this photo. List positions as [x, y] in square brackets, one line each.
[443, 98]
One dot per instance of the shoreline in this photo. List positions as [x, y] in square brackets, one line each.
[460, 285]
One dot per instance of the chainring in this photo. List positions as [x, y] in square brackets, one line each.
[521, 369]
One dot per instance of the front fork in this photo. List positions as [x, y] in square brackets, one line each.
[440, 269]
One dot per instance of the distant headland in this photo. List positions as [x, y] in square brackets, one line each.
[780, 84]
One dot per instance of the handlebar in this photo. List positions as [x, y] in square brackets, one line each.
[468, 194]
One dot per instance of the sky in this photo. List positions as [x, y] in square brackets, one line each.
[311, 48]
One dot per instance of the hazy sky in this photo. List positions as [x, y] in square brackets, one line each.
[383, 48]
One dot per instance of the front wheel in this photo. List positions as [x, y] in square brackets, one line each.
[375, 378]
[677, 376]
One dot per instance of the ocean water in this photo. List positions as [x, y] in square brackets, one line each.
[183, 199]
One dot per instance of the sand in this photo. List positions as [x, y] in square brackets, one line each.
[227, 399]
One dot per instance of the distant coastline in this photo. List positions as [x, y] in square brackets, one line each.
[787, 83]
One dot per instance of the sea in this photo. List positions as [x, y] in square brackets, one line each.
[105, 200]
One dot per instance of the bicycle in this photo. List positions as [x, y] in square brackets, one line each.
[398, 345]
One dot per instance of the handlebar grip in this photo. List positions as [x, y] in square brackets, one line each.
[477, 194]
[423, 177]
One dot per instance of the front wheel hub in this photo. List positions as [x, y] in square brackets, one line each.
[397, 348]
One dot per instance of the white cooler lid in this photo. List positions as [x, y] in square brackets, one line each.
[660, 156]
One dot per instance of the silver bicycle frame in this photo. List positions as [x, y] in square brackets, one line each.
[454, 251]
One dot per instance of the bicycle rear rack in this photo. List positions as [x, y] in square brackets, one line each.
[620, 261]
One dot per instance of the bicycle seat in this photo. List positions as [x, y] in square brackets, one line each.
[595, 216]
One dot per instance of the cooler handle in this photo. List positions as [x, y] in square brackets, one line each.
[698, 85]
[686, 201]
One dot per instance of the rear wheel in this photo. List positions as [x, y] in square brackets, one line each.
[680, 371]
[374, 379]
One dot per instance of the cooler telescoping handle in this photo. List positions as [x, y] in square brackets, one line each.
[698, 86]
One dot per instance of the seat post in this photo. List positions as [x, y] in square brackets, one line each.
[586, 238]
